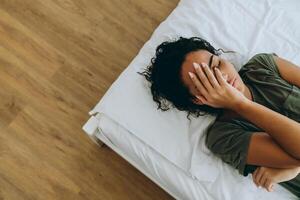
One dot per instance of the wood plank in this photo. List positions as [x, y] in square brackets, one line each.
[57, 59]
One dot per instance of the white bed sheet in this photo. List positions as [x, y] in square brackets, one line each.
[170, 177]
[248, 27]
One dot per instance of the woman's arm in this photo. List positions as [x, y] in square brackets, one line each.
[285, 131]
[263, 150]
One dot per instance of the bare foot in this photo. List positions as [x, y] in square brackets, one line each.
[267, 176]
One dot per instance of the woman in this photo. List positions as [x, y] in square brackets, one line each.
[258, 108]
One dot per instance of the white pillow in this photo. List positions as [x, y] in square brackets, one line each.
[248, 27]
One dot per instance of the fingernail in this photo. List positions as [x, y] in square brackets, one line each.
[226, 76]
[191, 75]
[196, 65]
[203, 64]
[198, 97]
[259, 186]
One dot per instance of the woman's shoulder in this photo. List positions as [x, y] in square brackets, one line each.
[262, 63]
[262, 55]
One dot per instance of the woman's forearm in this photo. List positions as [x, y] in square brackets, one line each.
[285, 131]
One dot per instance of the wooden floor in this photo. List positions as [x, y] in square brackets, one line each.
[57, 59]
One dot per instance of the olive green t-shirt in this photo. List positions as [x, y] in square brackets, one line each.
[230, 139]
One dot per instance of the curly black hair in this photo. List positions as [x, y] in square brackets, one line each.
[163, 73]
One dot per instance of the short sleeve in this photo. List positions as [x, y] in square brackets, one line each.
[264, 61]
[230, 142]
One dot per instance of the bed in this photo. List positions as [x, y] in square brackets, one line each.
[166, 146]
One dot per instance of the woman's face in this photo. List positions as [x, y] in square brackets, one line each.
[205, 57]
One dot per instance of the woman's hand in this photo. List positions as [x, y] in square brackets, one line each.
[267, 177]
[215, 92]
[262, 177]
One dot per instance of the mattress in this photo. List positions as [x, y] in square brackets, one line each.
[167, 141]
[177, 182]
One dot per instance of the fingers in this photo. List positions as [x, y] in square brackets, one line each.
[203, 78]
[231, 82]
[198, 84]
[220, 78]
[263, 181]
[254, 176]
[201, 98]
[211, 78]
[259, 176]
[204, 101]
[269, 185]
